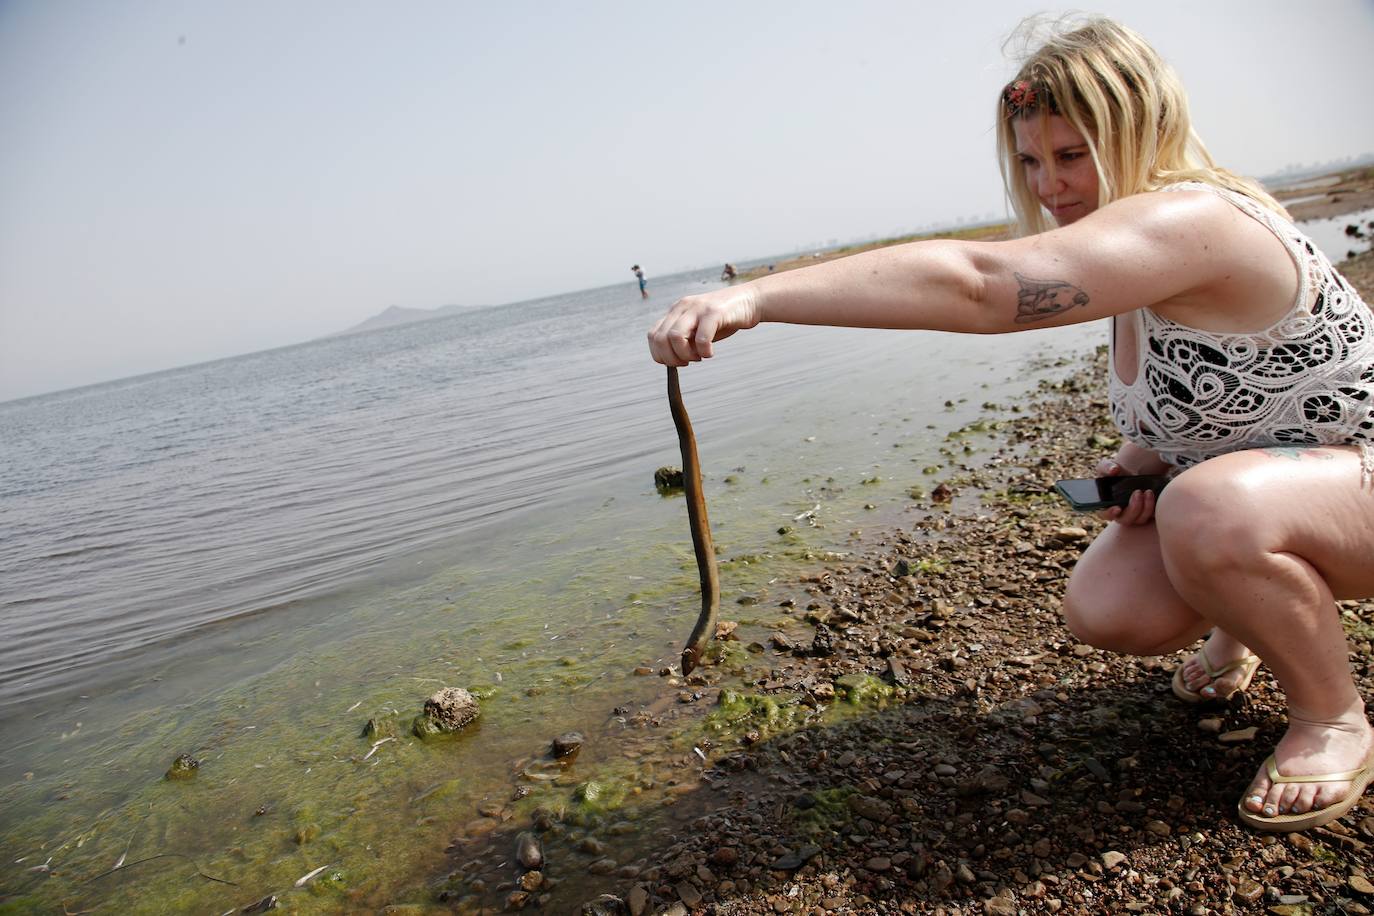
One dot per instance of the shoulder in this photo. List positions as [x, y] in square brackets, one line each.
[1190, 208]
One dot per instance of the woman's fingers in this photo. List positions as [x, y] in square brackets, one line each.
[1138, 511]
[688, 331]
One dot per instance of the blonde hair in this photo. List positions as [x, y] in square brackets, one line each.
[1116, 91]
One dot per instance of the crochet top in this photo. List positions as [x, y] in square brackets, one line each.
[1307, 379]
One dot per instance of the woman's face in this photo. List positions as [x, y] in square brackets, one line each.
[1069, 189]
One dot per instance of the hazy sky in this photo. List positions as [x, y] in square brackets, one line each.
[184, 181]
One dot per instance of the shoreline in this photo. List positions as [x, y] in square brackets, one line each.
[986, 761]
[1350, 191]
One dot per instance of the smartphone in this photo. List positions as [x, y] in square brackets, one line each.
[1105, 492]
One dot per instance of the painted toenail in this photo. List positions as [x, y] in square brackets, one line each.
[1257, 799]
[1210, 691]
[1268, 810]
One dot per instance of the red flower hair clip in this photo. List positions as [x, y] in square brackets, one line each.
[1022, 95]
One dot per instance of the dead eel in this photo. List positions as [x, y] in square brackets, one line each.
[701, 529]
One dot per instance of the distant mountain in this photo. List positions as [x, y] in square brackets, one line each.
[397, 315]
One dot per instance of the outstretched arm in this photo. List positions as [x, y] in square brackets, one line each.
[1141, 251]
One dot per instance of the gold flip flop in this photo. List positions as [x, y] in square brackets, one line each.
[1291, 823]
[1249, 664]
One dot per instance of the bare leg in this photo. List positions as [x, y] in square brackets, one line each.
[1259, 540]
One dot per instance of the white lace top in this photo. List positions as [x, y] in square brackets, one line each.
[1307, 379]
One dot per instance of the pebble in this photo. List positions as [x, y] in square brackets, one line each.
[688, 894]
[1240, 735]
[1360, 884]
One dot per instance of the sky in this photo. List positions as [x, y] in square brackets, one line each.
[184, 181]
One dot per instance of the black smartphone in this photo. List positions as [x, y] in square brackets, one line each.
[1105, 492]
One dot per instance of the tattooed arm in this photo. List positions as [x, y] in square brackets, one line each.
[1140, 251]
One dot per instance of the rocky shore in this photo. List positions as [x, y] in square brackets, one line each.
[989, 764]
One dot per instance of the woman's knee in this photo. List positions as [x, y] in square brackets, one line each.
[1208, 522]
[1103, 617]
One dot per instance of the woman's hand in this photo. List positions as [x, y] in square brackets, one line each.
[1141, 508]
[1131, 459]
[694, 323]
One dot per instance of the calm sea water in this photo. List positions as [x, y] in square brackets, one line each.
[140, 512]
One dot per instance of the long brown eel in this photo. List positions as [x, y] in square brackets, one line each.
[701, 529]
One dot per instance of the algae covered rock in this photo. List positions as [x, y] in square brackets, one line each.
[668, 478]
[184, 767]
[446, 712]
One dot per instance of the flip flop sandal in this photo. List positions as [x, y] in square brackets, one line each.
[1291, 823]
[1249, 664]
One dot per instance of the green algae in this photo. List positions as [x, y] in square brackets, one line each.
[761, 715]
[828, 811]
[864, 690]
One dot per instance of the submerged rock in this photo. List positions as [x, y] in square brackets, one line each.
[184, 767]
[567, 745]
[446, 712]
[529, 852]
[605, 905]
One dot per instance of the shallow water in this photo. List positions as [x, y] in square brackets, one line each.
[245, 561]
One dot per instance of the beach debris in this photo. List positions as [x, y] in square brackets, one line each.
[269, 902]
[700, 526]
[377, 745]
[306, 878]
[184, 767]
[529, 852]
[567, 745]
[354, 706]
[446, 712]
[668, 478]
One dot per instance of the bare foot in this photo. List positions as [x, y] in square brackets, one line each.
[1221, 649]
[1311, 749]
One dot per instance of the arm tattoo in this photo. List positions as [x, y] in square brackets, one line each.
[1296, 452]
[1037, 300]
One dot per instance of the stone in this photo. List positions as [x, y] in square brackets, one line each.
[184, 767]
[668, 478]
[567, 744]
[1240, 735]
[1112, 859]
[1249, 890]
[638, 900]
[1000, 906]
[724, 857]
[529, 852]
[875, 809]
[794, 860]
[1360, 884]
[447, 711]
[688, 894]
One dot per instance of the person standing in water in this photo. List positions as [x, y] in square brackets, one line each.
[643, 286]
